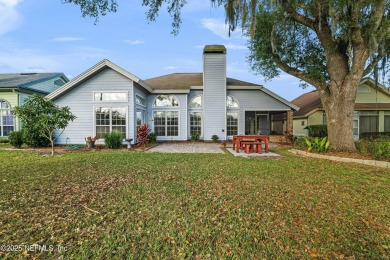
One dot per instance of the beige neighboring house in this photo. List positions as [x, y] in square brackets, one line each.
[372, 110]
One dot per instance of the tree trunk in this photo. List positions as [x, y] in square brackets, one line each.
[52, 146]
[339, 109]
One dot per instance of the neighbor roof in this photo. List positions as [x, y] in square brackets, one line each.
[26, 80]
[311, 101]
[187, 80]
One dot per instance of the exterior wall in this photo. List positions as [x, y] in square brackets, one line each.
[214, 98]
[367, 94]
[253, 100]
[80, 101]
[47, 85]
[182, 98]
[298, 127]
[317, 118]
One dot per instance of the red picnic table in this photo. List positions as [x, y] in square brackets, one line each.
[239, 142]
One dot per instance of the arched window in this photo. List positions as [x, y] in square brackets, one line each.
[231, 102]
[6, 118]
[196, 102]
[166, 101]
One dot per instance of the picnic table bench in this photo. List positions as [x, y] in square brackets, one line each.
[250, 143]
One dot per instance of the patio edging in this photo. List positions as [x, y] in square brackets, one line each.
[341, 159]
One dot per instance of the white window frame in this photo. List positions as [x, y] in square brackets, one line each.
[139, 96]
[110, 101]
[238, 122]
[234, 99]
[201, 102]
[201, 121]
[178, 123]
[1, 118]
[165, 107]
[110, 107]
[143, 111]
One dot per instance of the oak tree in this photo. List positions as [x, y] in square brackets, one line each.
[329, 44]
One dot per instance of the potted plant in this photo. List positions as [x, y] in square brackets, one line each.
[90, 141]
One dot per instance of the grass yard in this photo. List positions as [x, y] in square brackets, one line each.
[122, 204]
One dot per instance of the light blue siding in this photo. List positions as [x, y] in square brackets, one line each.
[46, 86]
[80, 101]
[254, 100]
[182, 116]
[214, 105]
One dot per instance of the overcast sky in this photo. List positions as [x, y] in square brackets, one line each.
[48, 36]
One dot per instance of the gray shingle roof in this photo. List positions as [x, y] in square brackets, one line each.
[14, 80]
[186, 80]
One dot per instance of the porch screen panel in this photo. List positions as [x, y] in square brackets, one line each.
[368, 121]
[232, 123]
[387, 123]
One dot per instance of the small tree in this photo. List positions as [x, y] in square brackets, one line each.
[43, 114]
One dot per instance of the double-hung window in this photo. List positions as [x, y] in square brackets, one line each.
[108, 119]
[6, 118]
[166, 123]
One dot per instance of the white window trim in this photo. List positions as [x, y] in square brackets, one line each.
[143, 116]
[202, 123]
[235, 99]
[1, 118]
[135, 100]
[238, 122]
[178, 123]
[127, 119]
[111, 101]
[201, 102]
[173, 107]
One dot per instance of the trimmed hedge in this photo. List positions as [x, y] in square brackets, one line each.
[375, 135]
[317, 130]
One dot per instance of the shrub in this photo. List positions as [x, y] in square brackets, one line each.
[375, 135]
[317, 130]
[317, 145]
[15, 139]
[34, 137]
[143, 134]
[300, 143]
[152, 138]
[113, 140]
[4, 141]
[195, 137]
[379, 149]
[215, 138]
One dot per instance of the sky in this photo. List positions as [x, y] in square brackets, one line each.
[49, 36]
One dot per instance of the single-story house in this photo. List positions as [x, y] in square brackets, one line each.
[176, 106]
[372, 110]
[17, 87]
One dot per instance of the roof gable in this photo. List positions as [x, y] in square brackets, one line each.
[94, 70]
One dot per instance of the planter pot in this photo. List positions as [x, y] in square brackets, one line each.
[90, 145]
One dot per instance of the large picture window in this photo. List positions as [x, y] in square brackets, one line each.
[368, 121]
[166, 123]
[6, 118]
[195, 123]
[232, 123]
[109, 119]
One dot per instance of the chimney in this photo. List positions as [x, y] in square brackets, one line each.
[214, 91]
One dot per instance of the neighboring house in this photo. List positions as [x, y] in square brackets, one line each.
[176, 106]
[372, 110]
[15, 88]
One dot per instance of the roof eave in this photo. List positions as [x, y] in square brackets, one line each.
[284, 101]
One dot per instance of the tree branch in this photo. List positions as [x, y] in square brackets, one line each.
[292, 13]
[298, 73]
[373, 63]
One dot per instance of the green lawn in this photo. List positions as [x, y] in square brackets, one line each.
[138, 205]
